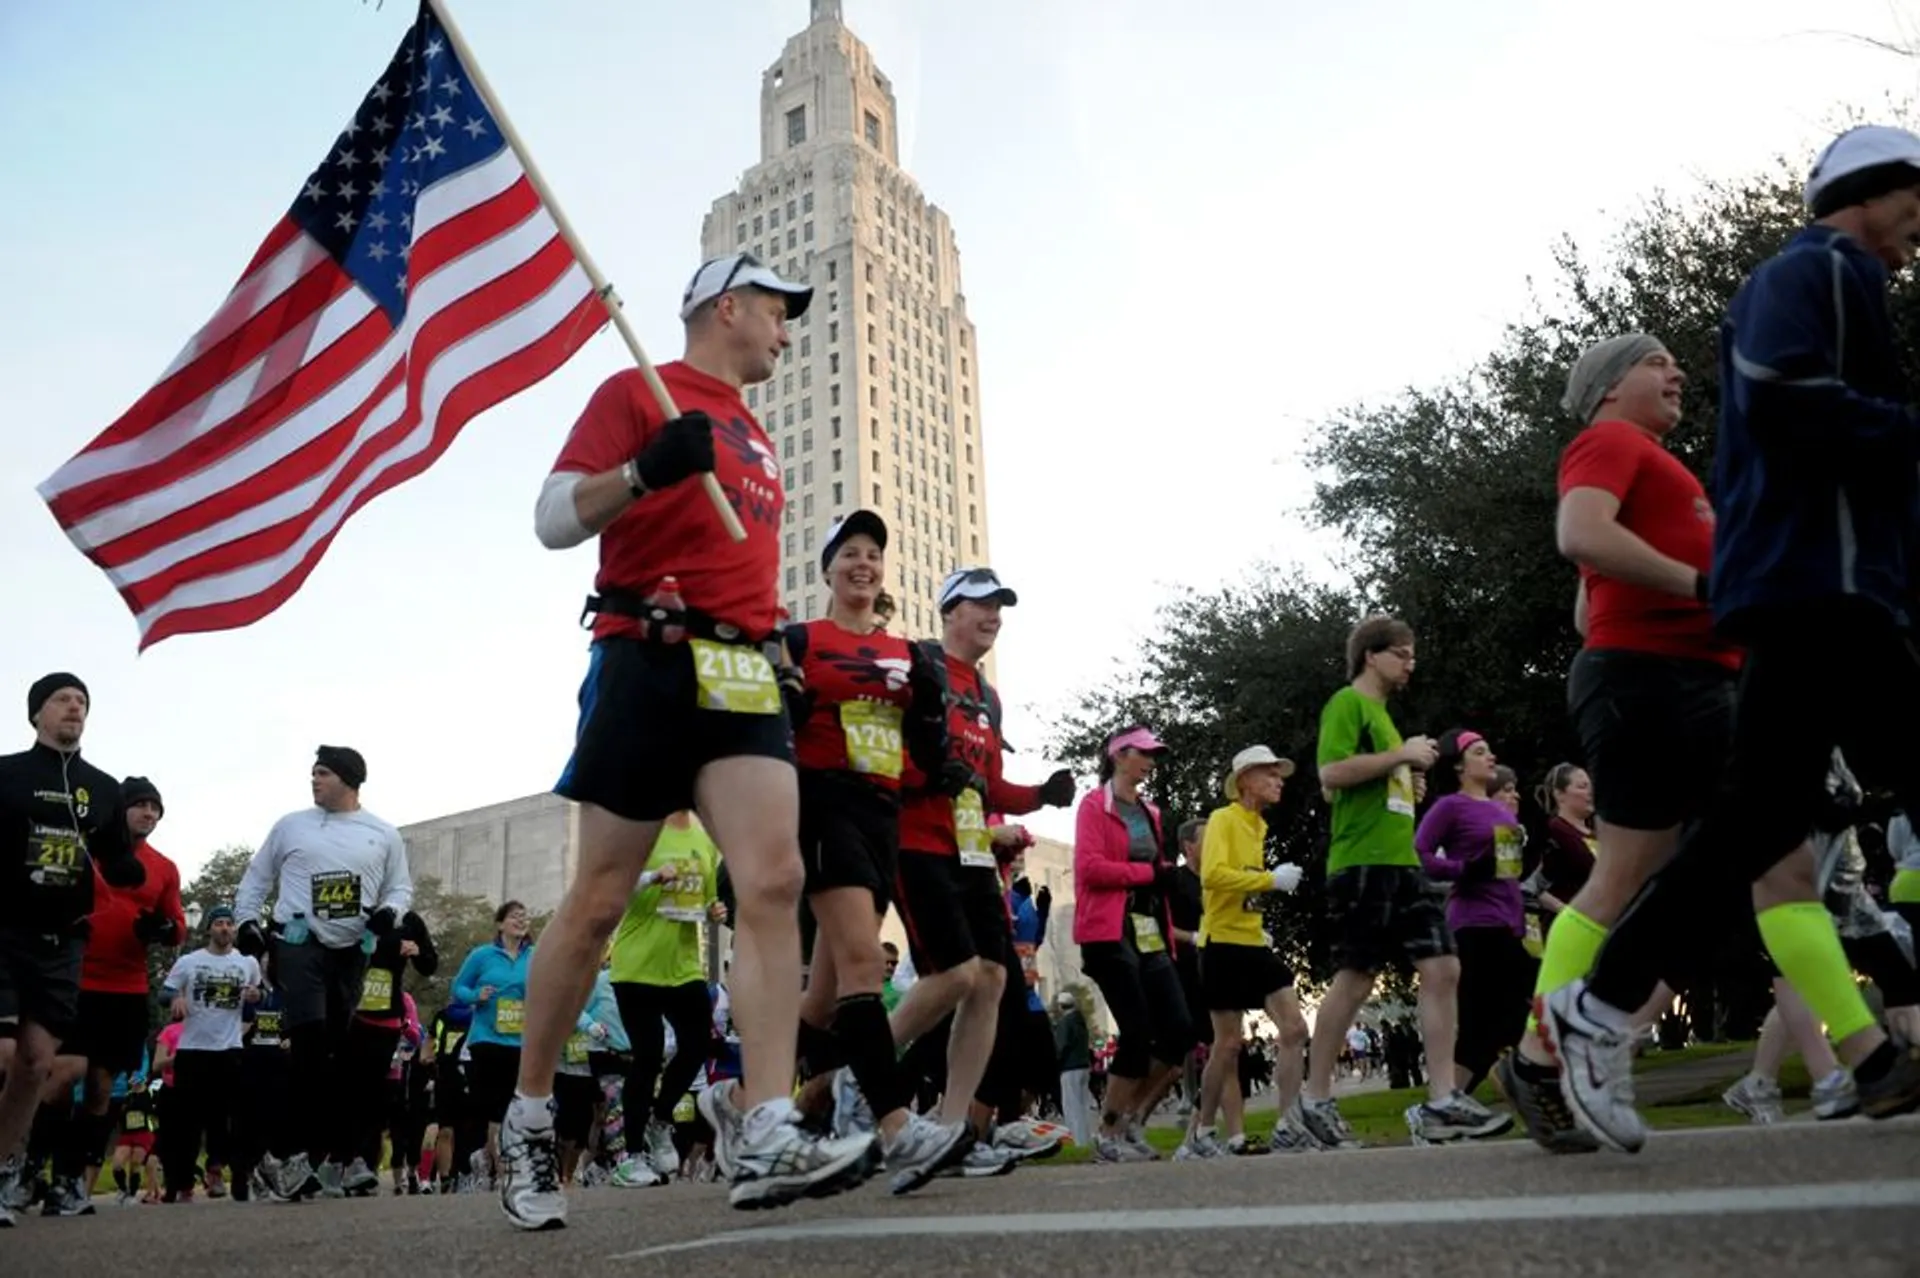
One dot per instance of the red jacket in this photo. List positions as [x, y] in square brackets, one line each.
[115, 961]
[1103, 873]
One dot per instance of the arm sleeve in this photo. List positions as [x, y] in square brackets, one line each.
[396, 888]
[170, 905]
[427, 961]
[1094, 864]
[1003, 795]
[1786, 375]
[1603, 457]
[466, 983]
[1436, 827]
[1339, 732]
[259, 879]
[1218, 872]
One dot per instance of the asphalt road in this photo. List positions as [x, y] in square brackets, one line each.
[1840, 1199]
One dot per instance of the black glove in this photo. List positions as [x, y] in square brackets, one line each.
[382, 921]
[1043, 901]
[153, 928]
[682, 449]
[955, 778]
[250, 940]
[1057, 790]
[124, 871]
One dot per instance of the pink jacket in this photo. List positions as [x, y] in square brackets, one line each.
[1102, 872]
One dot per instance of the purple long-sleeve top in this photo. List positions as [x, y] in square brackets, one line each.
[1476, 844]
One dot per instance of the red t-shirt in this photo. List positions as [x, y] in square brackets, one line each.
[843, 668]
[115, 961]
[676, 532]
[926, 820]
[1663, 503]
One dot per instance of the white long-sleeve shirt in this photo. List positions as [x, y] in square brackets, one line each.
[334, 867]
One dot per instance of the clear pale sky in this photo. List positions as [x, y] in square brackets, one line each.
[1188, 234]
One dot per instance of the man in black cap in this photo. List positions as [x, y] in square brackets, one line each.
[336, 872]
[60, 817]
[110, 1034]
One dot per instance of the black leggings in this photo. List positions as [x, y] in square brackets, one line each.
[1149, 1008]
[204, 1087]
[689, 1009]
[367, 1058]
[1496, 988]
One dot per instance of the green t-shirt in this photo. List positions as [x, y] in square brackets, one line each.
[658, 940]
[1372, 823]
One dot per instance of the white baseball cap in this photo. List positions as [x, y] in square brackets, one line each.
[1252, 757]
[1867, 147]
[974, 583]
[741, 270]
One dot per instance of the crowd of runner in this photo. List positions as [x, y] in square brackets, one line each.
[839, 771]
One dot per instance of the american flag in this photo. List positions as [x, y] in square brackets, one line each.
[417, 280]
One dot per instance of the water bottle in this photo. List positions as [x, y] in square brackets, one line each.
[296, 929]
[667, 599]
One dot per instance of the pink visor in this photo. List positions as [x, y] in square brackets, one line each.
[1136, 739]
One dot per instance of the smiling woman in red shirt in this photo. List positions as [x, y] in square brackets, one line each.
[862, 701]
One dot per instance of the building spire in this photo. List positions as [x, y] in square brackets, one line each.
[826, 11]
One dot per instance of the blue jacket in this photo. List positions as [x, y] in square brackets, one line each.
[1816, 491]
[1029, 928]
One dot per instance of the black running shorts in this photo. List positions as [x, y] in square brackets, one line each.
[40, 979]
[849, 834]
[952, 912]
[644, 735]
[111, 1031]
[1656, 732]
[1239, 978]
[1381, 913]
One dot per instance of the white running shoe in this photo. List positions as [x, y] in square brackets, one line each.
[530, 1191]
[1029, 1138]
[1596, 1068]
[1836, 1096]
[661, 1151]
[1199, 1145]
[784, 1164]
[359, 1178]
[719, 1106]
[1323, 1121]
[852, 1116]
[636, 1173]
[922, 1150]
[1756, 1097]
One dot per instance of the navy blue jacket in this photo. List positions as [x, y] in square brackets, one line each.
[1816, 478]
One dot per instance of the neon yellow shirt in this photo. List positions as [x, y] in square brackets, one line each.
[658, 940]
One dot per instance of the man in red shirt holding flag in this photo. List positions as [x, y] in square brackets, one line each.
[681, 709]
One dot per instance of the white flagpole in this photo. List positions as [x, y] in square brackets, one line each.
[601, 287]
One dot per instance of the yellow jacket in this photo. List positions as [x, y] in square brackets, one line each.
[1233, 874]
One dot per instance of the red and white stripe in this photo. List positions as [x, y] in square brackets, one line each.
[211, 499]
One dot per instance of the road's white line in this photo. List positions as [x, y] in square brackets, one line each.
[1454, 1211]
